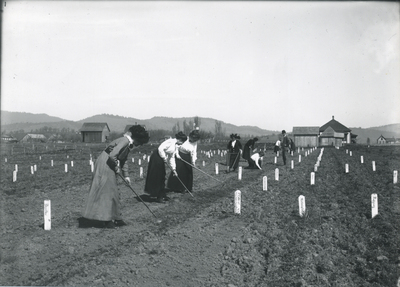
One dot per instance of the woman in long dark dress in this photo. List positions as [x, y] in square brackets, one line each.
[234, 150]
[248, 149]
[185, 159]
[103, 202]
[163, 155]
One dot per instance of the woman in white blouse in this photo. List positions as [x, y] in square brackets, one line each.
[164, 154]
[186, 158]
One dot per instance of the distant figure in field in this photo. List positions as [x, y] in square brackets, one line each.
[255, 160]
[163, 155]
[185, 158]
[103, 202]
[234, 150]
[292, 146]
[284, 146]
[277, 147]
[248, 149]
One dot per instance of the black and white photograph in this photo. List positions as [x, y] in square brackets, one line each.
[200, 143]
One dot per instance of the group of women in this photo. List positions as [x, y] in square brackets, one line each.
[179, 154]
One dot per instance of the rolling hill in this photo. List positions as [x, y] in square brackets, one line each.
[17, 121]
[30, 122]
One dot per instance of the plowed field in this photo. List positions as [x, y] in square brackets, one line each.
[200, 240]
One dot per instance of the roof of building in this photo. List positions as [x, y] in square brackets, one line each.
[305, 130]
[335, 125]
[94, 127]
[35, 136]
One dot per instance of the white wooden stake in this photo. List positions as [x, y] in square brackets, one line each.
[374, 205]
[5, 159]
[362, 159]
[141, 172]
[204, 164]
[299, 157]
[351, 153]
[40, 157]
[277, 174]
[51, 163]
[237, 202]
[35, 168]
[14, 176]
[275, 160]
[240, 173]
[148, 158]
[133, 160]
[302, 205]
[373, 166]
[32, 171]
[265, 183]
[347, 151]
[395, 176]
[47, 215]
[292, 164]
[277, 153]
[16, 167]
[92, 167]
[312, 178]
[72, 163]
[140, 161]
[216, 168]
[347, 168]
[66, 167]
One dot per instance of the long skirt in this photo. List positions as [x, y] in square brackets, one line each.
[185, 174]
[246, 153]
[103, 202]
[155, 179]
[234, 159]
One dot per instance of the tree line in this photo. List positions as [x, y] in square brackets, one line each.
[156, 135]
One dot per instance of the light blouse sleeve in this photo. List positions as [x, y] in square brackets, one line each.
[194, 154]
[163, 147]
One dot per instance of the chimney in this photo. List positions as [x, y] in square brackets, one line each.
[333, 117]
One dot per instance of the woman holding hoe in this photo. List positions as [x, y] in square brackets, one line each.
[103, 202]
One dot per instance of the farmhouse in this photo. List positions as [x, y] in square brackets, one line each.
[94, 132]
[334, 133]
[381, 140]
[305, 136]
[8, 139]
[34, 138]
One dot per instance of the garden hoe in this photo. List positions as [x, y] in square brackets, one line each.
[129, 185]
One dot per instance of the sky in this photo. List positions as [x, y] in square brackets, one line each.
[269, 64]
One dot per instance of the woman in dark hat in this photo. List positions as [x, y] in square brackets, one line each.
[248, 150]
[186, 158]
[234, 150]
[103, 205]
[163, 155]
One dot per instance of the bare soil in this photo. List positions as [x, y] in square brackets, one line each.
[200, 241]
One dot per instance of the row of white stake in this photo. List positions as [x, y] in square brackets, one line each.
[302, 204]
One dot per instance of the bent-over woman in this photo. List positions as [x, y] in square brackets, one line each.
[163, 155]
[185, 159]
[103, 203]
[248, 149]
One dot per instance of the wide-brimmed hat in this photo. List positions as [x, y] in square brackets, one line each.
[181, 136]
[195, 135]
[140, 134]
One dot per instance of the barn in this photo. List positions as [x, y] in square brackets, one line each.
[94, 132]
[34, 138]
[305, 136]
[334, 133]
